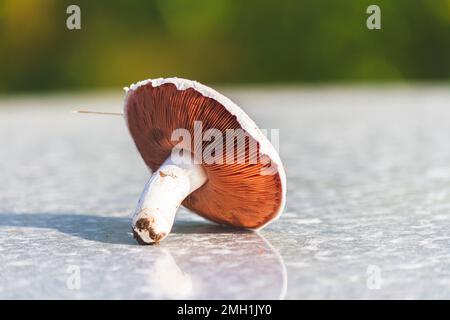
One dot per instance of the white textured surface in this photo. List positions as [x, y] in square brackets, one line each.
[368, 175]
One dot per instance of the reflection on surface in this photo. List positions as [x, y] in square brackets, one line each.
[204, 261]
[168, 279]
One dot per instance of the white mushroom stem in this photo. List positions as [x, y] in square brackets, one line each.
[155, 213]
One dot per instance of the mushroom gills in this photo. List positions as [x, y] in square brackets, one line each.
[166, 189]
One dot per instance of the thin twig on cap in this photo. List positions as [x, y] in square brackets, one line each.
[97, 112]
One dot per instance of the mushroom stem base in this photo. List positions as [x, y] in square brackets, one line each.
[164, 192]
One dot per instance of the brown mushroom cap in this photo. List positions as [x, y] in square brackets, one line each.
[235, 194]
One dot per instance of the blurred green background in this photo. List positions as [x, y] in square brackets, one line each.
[220, 41]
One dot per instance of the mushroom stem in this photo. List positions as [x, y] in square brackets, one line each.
[166, 189]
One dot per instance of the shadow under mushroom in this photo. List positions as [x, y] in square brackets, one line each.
[199, 259]
[107, 229]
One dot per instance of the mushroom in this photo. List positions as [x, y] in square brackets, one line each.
[246, 194]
